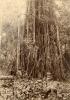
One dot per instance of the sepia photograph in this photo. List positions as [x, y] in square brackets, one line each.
[34, 49]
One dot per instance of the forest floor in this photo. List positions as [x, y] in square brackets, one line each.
[34, 89]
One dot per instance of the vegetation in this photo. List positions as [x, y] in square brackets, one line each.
[35, 47]
[36, 52]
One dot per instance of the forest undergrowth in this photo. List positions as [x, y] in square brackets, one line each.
[35, 89]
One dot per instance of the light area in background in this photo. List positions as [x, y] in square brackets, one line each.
[11, 9]
[63, 4]
[59, 3]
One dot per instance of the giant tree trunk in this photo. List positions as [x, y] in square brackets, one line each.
[45, 33]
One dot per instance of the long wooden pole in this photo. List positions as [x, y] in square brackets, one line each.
[18, 47]
[34, 21]
[27, 25]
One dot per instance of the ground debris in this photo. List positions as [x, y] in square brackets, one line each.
[36, 89]
[40, 89]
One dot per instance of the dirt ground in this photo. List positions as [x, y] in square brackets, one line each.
[35, 89]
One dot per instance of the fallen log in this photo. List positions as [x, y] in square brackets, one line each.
[3, 77]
